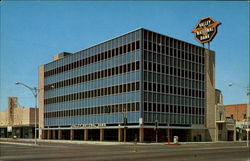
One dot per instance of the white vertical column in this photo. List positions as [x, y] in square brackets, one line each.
[71, 134]
[86, 132]
[101, 134]
[141, 135]
[120, 134]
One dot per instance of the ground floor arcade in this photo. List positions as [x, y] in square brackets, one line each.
[142, 134]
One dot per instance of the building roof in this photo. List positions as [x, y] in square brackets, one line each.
[121, 36]
[232, 105]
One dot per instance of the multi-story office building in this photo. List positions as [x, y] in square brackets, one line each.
[144, 83]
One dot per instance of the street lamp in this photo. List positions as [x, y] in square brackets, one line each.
[156, 130]
[125, 121]
[35, 92]
[248, 92]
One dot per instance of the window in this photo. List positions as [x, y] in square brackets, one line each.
[220, 126]
[220, 115]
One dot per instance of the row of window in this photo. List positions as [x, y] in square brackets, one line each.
[173, 52]
[95, 93]
[154, 97]
[171, 61]
[174, 119]
[173, 90]
[93, 76]
[95, 58]
[168, 41]
[99, 48]
[173, 71]
[158, 78]
[153, 107]
[118, 108]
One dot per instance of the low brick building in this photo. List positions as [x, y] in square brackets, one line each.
[225, 126]
[237, 112]
[17, 121]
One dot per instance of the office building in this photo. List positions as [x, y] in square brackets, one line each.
[141, 85]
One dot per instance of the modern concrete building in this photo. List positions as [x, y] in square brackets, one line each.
[141, 84]
[17, 121]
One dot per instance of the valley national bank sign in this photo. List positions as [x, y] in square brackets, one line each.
[205, 30]
[88, 125]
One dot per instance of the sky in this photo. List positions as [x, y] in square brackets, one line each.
[33, 31]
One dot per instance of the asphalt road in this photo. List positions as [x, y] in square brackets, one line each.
[74, 152]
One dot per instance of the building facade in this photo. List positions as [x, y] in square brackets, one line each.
[17, 121]
[225, 126]
[239, 113]
[141, 85]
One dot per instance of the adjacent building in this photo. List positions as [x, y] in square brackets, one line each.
[17, 121]
[141, 85]
[239, 113]
[225, 126]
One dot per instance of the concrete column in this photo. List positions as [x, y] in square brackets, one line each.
[59, 134]
[119, 135]
[101, 134]
[141, 135]
[86, 134]
[217, 132]
[40, 134]
[71, 134]
[53, 134]
[234, 133]
[44, 134]
[48, 134]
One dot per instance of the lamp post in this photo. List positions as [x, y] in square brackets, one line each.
[156, 131]
[248, 92]
[125, 121]
[35, 92]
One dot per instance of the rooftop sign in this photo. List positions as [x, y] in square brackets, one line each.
[205, 30]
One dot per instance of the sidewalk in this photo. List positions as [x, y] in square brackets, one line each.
[31, 141]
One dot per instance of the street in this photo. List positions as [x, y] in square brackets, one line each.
[145, 152]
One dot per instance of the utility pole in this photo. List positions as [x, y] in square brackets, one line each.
[168, 135]
[35, 92]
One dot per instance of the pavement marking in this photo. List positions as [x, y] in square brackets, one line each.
[31, 144]
[2, 142]
[227, 147]
[207, 148]
[34, 145]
